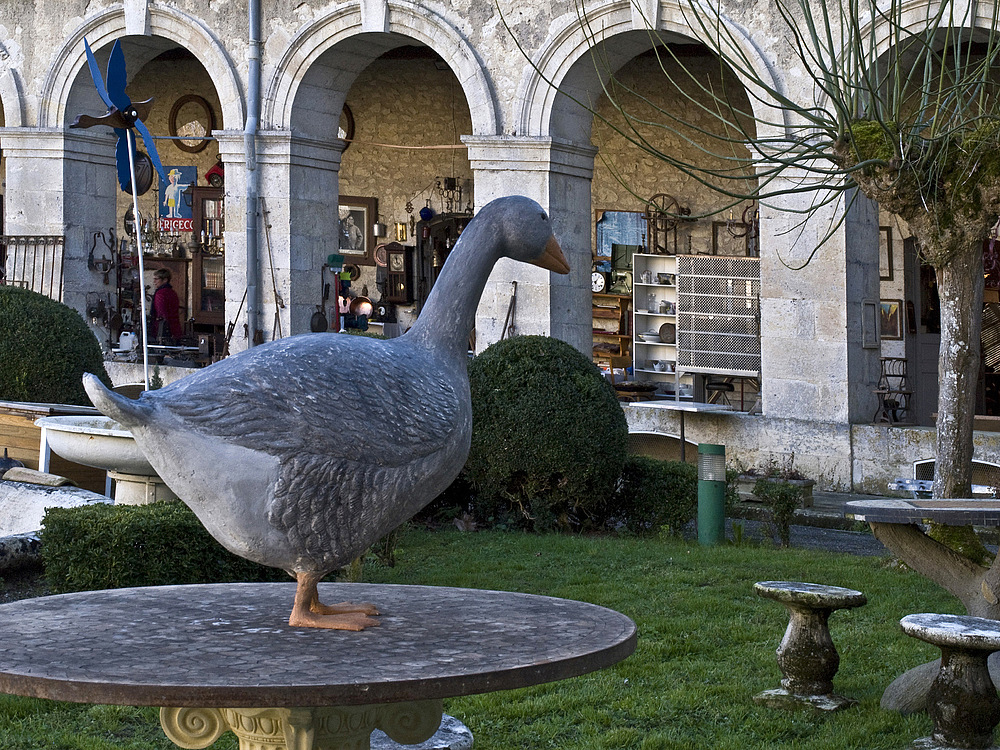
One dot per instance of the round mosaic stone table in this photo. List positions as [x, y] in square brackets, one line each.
[222, 657]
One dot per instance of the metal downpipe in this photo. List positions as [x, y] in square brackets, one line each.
[253, 174]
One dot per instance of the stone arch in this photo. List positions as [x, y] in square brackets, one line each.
[346, 49]
[914, 14]
[12, 99]
[11, 90]
[167, 22]
[560, 69]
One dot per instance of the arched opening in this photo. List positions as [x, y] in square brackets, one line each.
[404, 187]
[678, 255]
[180, 222]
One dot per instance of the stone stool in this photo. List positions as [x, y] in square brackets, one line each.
[962, 700]
[807, 657]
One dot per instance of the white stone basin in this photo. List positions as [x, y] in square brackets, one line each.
[99, 442]
[102, 443]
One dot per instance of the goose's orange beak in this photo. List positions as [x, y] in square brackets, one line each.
[552, 259]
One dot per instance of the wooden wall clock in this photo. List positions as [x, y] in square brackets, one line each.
[399, 273]
[191, 116]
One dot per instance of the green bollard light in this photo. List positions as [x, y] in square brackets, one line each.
[711, 494]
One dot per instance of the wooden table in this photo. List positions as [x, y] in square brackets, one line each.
[222, 657]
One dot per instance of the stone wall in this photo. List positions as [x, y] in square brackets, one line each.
[410, 114]
[625, 175]
[841, 458]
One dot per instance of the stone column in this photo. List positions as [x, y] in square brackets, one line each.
[816, 361]
[299, 184]
[63, 182]
[557, 174]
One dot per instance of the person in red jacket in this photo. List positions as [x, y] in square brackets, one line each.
[166, 319]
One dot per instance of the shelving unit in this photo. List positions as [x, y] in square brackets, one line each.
[612, 331]
[654, 291]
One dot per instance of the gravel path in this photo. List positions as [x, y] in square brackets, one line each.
[860, 543]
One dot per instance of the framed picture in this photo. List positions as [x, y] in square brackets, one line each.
[356, 235]
[885, 253]
[619, 234]
[869, 324]
[193, 120]
[176, 212]
[891, 319]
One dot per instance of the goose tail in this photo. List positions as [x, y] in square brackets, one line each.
[126, 411]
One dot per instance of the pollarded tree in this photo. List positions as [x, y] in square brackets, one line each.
[904, 111]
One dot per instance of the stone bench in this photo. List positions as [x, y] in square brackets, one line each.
[962, 701]
[807, 657]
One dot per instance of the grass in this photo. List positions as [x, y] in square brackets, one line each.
[706, 646]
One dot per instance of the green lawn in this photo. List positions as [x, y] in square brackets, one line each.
[706, 646]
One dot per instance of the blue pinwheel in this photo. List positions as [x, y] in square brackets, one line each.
[123, 115]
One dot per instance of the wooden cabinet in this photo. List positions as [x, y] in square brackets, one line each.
[612, 331]
[208, 214]
[208, 289]
[398, 273]
[208, 272]
[611, 324]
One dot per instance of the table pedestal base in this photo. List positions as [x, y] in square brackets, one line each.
[321, 728]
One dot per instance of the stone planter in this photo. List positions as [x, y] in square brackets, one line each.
[746, 482]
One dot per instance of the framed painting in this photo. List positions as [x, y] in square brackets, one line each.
[356, 235]
[891, 319]
[730, 238]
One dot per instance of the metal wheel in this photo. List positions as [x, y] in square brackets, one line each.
[663, 214]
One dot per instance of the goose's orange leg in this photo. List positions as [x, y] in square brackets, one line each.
[307, 612]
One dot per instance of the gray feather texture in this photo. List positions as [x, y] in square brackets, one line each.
[303, 452]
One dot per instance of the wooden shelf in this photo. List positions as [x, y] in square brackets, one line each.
[612, 307]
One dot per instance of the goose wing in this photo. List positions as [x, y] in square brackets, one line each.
[362, 438]
[367, 402]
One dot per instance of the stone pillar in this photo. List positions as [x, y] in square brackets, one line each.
[816, 362]
[557, 174]
[299, 184]
[63, 182]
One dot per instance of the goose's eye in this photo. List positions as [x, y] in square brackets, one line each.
[544, 217]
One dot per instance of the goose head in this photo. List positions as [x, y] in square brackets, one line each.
[513, 227]
[523, 232]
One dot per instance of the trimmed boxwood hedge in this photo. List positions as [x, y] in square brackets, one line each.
[656, 495]
[46, 347]
[549, 437]
[117, 546]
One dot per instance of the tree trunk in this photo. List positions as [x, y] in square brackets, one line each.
[960, 288]
[973, 584]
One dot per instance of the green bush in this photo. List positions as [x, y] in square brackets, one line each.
[782, 498]
[549, 437]
[655, 495]
[116, 546]
[46, 349]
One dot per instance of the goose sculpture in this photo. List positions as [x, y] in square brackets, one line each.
[301, 453]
